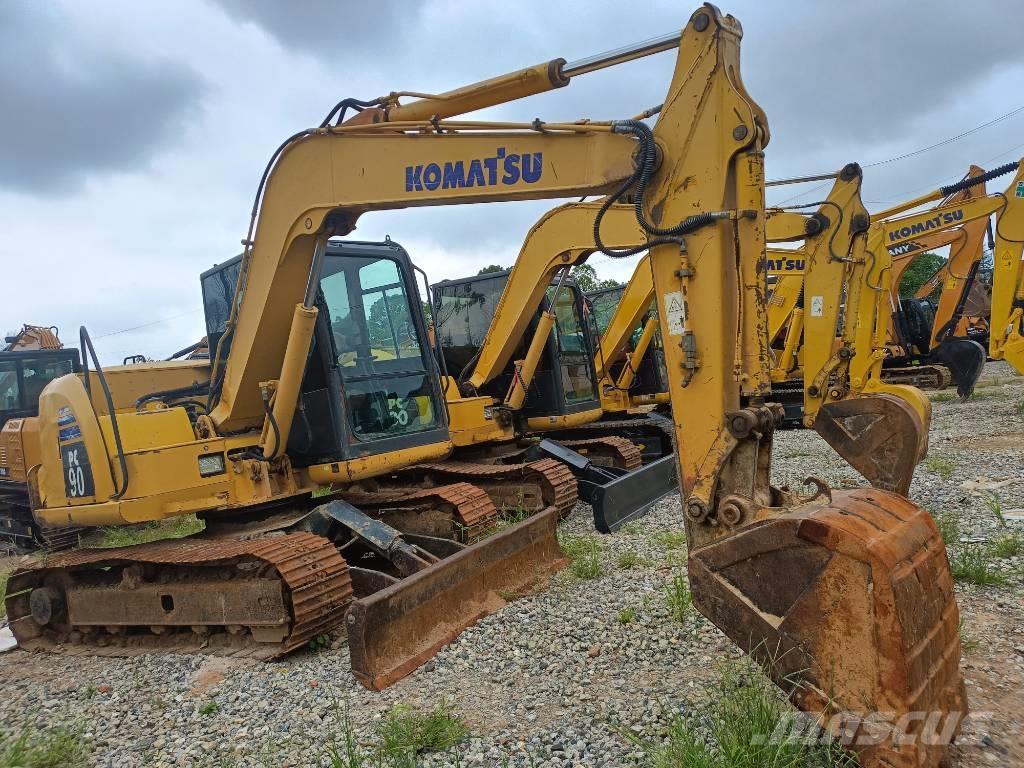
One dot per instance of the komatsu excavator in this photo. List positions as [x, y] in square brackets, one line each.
[813, 386]
[849, 591]
[960, 206]
[30, 360]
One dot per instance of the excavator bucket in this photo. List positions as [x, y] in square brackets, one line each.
[850, 593]
[398, 627]
[965, 359]
[880, 436]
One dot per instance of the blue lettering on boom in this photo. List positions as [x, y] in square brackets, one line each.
[500, 169]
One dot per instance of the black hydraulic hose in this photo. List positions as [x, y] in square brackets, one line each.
[170, 394]
[264, 455]
[187, 350]
[995, 173]
[345, 104]
[86, 344]
[646, 159]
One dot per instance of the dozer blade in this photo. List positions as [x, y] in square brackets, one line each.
[631, 495]
[616, 495]
[965, 359]
[853, 598]
[880, 436]
[396, 629]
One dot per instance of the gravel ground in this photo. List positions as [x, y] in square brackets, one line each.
[553, 679]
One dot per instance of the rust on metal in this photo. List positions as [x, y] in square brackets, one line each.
[854, 598]
[618, 451]
[260, 598]
[879, 435]
[536, 485]
[459, 511]
[398, 628]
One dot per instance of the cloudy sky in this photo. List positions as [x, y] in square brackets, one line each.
[133, 134]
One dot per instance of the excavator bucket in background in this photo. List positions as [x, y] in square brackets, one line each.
[965, 359]
[395, 629]
[880, 436]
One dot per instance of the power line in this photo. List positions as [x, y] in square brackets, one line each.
[147, 325]
[922, 150]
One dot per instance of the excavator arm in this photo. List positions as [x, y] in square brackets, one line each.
[1006, 324]
[851, 588]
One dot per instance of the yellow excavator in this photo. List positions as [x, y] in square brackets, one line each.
[960, 206]
[918, 350]
[30, 360]
[848, 591]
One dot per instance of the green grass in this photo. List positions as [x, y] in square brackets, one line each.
[402, 734]
[629, 560]
[1019, 407]
[968, 642]
[735, 728]
[949, 527]
[995, 506]
[3, 593]
[670, 539]
[319, 642]
[1008, 545]
[679, 599]
[634, 528]
[129, 535]
[407, 730]
[584, 553]
[210, 707]
[56, 748]
[942, 397]
[942, 467]
[627, 616]
[973, 564]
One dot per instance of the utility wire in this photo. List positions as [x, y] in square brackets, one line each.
[147, 325]
[922, 150]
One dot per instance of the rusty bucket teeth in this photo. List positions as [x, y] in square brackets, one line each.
[880, 436]
[854, 598]
[395, 630]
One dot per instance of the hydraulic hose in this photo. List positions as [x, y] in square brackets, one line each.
[995, 173]
[647, 158]
[86, 344]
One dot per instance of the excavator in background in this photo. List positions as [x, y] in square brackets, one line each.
[810, 368]
[920, 352]
[861, 619]
[30, 360]
[920, 344]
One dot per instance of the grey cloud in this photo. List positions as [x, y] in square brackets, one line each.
[72, 109]
[327, 28]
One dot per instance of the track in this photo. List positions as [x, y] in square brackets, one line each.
[529, 487]
[459, 511]
[19, 533]
[646, 439]
[258, 599]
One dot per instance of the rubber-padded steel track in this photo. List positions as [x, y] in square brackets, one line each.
[312, 577]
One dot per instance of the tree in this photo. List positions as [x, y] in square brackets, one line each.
[586, 278]
[923, 267]
[492, 268]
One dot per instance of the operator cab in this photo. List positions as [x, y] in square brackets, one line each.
[565, 380]
[24, 374]
[371, 384]
[651, 375]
